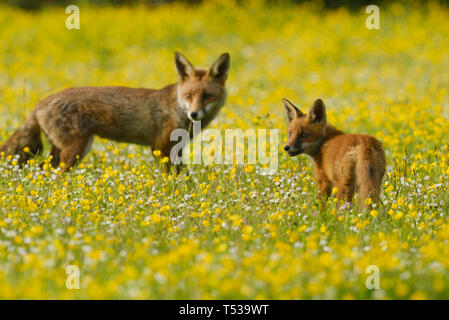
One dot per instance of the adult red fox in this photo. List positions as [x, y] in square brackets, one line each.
[72, 117]
[345, 161]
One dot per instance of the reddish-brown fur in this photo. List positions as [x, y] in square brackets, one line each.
[72, 117]
[345, 161]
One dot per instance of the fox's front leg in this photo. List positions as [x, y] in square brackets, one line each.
[178, 167]
[324, 186]
[173, 159]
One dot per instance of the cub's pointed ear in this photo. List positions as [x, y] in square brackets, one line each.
[219, 69]
[292, 111]
[318, 111]
[184, 68]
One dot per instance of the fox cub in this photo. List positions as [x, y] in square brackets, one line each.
[345, 161]
[72, 117]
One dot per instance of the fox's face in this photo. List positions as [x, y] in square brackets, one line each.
[305, 132]
[201, 92]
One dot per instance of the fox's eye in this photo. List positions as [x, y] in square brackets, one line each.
[304, 135]
[289, 133]
[206, 96]
[189, 96]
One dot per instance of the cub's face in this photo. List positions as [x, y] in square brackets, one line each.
[305, 132]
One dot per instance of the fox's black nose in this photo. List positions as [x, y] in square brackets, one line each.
[286, 147]
[193, 114]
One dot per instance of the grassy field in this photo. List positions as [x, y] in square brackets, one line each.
[227, 231]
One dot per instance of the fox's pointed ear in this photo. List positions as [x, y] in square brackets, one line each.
[318, 111]
[219, 69]
[184, 68]
[292, 111]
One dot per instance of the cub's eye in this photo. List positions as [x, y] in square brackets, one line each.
[189, 96]
[304, 135]
[289, 133]
[207, 96]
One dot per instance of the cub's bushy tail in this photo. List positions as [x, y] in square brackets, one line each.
[28, 135]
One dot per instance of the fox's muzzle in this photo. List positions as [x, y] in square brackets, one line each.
[196, 115]
[292, 151]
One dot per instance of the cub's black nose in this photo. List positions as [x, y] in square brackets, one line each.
[286, 147]
[193, 114]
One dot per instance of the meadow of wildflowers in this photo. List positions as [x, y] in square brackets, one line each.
[226, 231]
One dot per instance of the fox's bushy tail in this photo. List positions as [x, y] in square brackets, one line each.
[370, 167]
[28, 135]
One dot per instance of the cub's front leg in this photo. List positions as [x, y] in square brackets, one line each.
[324, 186]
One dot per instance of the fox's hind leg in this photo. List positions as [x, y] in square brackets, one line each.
[344, 181]
[370, 188]
[27, 136]
[75, 151]
[370, 171]
[56, 156]
[345, 190]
